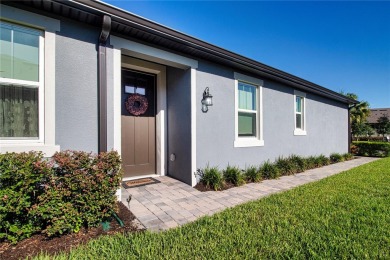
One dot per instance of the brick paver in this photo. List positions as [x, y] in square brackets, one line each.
[172, 203]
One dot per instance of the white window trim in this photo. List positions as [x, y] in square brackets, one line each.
[49, 26]
[300, 131]
[27, 83]
[249, 141]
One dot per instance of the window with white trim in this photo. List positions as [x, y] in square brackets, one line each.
[21, 82]
[299, 110]
[27, 81]
[248, 117]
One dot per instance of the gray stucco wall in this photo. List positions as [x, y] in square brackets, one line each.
[179, 123]
[76, 87]
[327, 123]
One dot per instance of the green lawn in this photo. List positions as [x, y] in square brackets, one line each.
[344, 216]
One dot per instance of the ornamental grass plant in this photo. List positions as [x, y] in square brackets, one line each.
[233, 175]
[253, 174]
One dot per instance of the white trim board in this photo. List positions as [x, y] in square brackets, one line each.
[152, 54]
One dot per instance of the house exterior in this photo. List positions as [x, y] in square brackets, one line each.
[84, 75]
[377, 113]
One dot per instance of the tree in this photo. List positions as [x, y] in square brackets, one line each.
[360, 111]
[358, 116]
[361, 129]
[383, 126]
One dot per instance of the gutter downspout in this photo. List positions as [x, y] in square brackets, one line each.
[102, 84]
[349, 128]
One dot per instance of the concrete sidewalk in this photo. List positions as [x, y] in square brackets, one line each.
[172, 203]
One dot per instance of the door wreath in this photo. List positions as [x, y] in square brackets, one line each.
[136, 104]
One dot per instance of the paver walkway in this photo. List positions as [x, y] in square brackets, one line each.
[172, 203]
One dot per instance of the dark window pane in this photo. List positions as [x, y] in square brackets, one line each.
[298, 121]
[18, 112]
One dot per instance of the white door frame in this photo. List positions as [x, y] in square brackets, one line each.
[161, 106]
[149, 59]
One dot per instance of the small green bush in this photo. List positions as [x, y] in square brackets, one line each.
[253, 174]
[348, 156]
[233, 175]
[20, 186]
[57, 195]
[211, 177]
[375, 149]
[310, 162]
[286, 166]
[336, 157]
[299, 163]
[322, 160]
[269, 170]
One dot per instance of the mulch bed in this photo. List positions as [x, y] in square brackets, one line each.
[36, 244]
[201, 187]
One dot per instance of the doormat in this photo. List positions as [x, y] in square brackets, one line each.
[139, 182]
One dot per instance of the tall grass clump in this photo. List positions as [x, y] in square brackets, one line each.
[285, 165]
[233, 175]
[211, 177]
[348, 156]
[299, 163]
[253, 174]
[269, 170]
[322, 160]
[336, 157]
[311, 162]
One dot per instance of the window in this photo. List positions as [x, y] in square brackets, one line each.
[27, 81]
[300, 122]
[21, 82]
[248, 111]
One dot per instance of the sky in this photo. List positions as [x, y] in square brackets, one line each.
[340, 45]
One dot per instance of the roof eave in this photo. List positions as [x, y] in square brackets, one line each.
[220, 55]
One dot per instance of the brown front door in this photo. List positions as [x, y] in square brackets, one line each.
[138, 123]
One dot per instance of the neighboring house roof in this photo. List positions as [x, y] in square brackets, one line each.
[128, 25]
[376, 113]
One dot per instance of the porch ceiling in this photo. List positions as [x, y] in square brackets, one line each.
[127, 25]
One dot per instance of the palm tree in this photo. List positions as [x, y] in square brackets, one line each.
[360, 111]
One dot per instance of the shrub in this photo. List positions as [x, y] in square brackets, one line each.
[369, 138]
[375, 149]
[310, 162]
[253, 174]
[211, 177]
[20, 186]
[336, 157]
[269, 170]
[348, 156]
[298, 162]
[322, 160]
[59, 195]
[286, 166]
[354, 149]
[233, 175]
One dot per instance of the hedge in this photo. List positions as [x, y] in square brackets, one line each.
[375, 149]
[58, 195]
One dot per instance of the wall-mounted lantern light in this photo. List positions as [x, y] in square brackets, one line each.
[207, 100]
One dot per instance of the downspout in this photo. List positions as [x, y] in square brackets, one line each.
[102, 83]
[349, 128]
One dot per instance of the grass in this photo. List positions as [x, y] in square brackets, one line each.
[343, 216]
